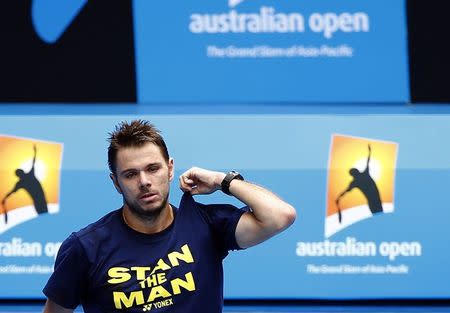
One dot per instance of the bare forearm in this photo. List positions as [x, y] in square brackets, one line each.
[269, 210]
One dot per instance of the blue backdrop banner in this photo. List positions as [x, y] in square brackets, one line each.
[266, 50]
[373, 216]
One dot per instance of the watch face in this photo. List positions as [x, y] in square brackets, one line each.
[227, 180]
[230, 176]
[236, 175]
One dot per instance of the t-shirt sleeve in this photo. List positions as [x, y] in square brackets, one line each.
[67, 284]
[223, 220]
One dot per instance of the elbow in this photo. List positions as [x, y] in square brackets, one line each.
[289, 215]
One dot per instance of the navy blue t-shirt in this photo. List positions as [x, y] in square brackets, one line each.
[109, 267]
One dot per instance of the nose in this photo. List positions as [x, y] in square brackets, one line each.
[144, 180]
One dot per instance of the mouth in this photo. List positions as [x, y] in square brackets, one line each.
[148, 196]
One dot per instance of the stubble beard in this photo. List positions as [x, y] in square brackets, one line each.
[146, 215]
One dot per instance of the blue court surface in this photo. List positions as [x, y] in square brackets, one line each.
[281, 308]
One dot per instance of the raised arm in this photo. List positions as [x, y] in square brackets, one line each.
[368, 158]
[269, 214]
[34, 157]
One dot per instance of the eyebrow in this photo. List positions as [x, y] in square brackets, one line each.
[135, 169]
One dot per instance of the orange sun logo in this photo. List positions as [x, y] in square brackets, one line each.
[30, 179]
[361, 174]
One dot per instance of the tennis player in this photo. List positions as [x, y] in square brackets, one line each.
[149, 255]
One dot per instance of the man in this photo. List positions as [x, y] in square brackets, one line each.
[150, 255]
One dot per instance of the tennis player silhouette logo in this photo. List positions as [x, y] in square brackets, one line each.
[30, 179]
[361, 175]
[365, 183]
[29, 183]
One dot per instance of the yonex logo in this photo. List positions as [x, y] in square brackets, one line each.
[52, 17]
[361, 174]
[30, 185]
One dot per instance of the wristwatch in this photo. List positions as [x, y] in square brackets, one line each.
[227, 181]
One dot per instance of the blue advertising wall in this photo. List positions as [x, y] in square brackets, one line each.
[271, 51]
[288, 153]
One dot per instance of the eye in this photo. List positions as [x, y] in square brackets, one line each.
[153, 168]
[129, 175]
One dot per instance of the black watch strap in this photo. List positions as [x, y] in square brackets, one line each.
[227, 181]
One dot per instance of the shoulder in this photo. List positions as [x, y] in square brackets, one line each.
[211, 213]
[102, 223]
[99, 231]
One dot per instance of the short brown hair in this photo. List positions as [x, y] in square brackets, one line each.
[133, 134]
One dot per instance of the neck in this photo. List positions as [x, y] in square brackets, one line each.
[146, 226]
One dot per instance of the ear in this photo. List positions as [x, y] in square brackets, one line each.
[115, 182]
[171, 169]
